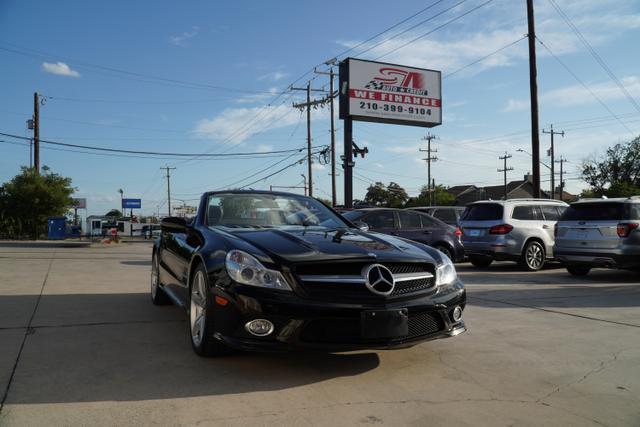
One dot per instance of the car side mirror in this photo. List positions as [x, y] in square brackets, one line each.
[362, 226]
[174, 224]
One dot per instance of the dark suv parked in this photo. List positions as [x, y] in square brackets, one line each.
[414, 226]
[599, 233]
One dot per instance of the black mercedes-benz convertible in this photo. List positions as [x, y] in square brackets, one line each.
[269, 271]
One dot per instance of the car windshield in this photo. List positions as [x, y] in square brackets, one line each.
[352, 215]
[600, 211]
[239, 210]
[483, 212]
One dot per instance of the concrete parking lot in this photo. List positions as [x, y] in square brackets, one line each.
[81, 344]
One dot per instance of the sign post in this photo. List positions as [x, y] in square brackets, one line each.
[385, 93]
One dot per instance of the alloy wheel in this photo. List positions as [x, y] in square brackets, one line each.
[197, 308]
[534, 256]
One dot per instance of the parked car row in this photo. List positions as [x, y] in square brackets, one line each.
[412, 225]
[587, 234]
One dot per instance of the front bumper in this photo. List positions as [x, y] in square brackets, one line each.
[318, 325]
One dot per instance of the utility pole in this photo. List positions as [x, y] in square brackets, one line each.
[429, 159]
[533, 90]
[304, 180]
[36, 132]
[308, 106]
[168, 169]
[505, 169]
[332, 95]
[433, 193]
[562, 161]
[552, 155]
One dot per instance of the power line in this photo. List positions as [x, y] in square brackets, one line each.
[595, 55]
[115, 101]
[388, 29]
[122, 73]
[436, 29]
[431, 18]
[584, 85]
[495, 52]
[157, 153]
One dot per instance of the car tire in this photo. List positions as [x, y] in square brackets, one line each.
[480, 261]
[158, 295]
[445, 250]
[578, 270]
[200, 324]
[533, 256]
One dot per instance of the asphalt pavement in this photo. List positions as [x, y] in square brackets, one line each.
[81, 344]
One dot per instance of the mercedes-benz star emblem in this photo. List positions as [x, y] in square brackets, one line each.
[378, 279]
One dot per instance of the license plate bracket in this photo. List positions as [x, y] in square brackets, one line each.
[473, 233]
[384, 323]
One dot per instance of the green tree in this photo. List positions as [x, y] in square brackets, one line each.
[29, 199]
[391, 196]
[397, 196]
[376, 195]
[443, 198]
[616, 174]
[114, 213]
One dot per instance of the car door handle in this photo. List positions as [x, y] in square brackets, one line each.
[426, 231]
[546, 227]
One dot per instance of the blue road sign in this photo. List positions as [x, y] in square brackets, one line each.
[131, 203]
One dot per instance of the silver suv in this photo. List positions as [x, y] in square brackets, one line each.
[599, 233]
[510, 230]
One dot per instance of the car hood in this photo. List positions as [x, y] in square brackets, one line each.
[294, 246]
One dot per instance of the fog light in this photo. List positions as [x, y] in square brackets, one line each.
[456, 314]
[259, 327]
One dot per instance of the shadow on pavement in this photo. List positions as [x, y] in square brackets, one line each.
[143, 262]
[151, 358]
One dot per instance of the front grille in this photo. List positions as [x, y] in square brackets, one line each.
[354, 268]
[358, 292]
[347, 330]
[424, 324]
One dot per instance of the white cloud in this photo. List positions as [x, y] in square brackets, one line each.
[515, 105]
[578, 95]
[403, 149]
[59, 68]
[255, 98]
[181, 39]
[235, 125]
[274, 76]
[451, 51]
[263, 148]
[317, 166]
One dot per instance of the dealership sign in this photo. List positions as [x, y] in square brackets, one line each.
[131, 203]
[79, 203]
[389, 93]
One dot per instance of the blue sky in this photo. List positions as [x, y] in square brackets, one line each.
[222, 63]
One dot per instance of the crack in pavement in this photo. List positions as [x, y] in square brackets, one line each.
[87, 324]
[601, 366]
[470, 297]
[27, 332]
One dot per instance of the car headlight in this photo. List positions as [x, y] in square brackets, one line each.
[246, 269]
[446, 272]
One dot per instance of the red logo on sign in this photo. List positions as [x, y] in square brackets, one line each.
[395, 76]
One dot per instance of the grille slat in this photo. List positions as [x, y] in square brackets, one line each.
[347, 330]
[358, 291]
